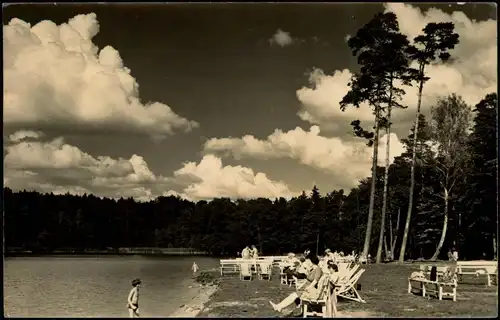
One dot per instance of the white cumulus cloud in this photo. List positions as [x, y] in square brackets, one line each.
[24, 134]
[347, 162]
[281, 38]
[209, 179]
[471, 73]
[54, 166]
[55, 77]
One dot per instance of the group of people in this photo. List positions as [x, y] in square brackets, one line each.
[453, 254]
[250, 253]
[316, 273]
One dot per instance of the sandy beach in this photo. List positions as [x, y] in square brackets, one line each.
[200, 295]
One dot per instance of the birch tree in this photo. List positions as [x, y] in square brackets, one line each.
[450, 124]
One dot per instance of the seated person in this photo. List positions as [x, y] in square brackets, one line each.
[332, 271]
[290, 260]
[298, 270]
[417, 275]
[306, 266]
[312, 290]
[323, 264]
[449, 275]
[328, 254]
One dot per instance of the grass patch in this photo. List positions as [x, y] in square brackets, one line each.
[383, 286]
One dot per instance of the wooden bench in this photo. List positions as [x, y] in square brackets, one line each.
[233, 266]
[437, 288]
[229, 266]
[488, 268]
[426, 269]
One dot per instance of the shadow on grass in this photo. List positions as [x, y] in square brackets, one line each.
[384, 287]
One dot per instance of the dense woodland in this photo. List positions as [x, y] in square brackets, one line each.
[452, 202]
[35, 221]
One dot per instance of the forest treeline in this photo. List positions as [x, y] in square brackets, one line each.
[335, 220]
[441, 192]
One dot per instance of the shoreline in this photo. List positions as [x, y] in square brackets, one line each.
[119, 252]
[202, 293]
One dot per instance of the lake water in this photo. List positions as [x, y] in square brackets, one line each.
[97, 286]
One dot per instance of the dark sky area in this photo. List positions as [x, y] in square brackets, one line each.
[213, 63]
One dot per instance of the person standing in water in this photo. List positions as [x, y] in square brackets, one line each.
[133, 299]
[195, 267]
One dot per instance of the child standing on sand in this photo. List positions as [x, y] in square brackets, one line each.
[195, 267]
[133, 299]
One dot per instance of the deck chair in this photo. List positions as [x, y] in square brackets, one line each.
[309, 305]
[299, 283]
[245, 272]
[346, 274]
[265, 270]
[347, 289]
[283, 276]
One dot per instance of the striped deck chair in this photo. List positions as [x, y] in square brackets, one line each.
[347, 288]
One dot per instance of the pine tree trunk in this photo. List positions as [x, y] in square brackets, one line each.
[386, 182]
[412, 175]
[386, 249]
[317, 243]
[494, 247]
[366, 247]
[260, 241]
[495, 242]
[445, 226]
[393, 243]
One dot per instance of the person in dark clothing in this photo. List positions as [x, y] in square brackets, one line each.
[433, 275]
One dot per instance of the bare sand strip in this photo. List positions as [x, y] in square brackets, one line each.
[195, 306]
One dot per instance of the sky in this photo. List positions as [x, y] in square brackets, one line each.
[208, 100]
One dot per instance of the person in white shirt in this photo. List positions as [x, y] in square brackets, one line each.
[133, 299]
[245, 254]
[290, 260]
[254, 252]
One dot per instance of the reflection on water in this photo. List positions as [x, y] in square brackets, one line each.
[82, 286]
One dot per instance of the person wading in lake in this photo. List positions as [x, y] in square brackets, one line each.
[133, 299]
[195, 267]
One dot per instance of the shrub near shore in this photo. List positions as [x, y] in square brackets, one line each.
[208, 277]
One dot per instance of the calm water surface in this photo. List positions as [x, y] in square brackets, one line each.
[97, 286]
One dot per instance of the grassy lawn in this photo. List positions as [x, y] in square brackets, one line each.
[383, 286]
